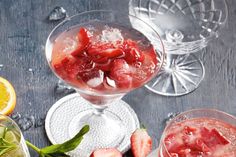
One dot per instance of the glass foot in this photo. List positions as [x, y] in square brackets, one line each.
[182, 76]
[111, 129]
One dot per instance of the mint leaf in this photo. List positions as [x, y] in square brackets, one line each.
[59, 150]
[68, 145]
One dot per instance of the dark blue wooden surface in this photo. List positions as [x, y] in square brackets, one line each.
[23, 31]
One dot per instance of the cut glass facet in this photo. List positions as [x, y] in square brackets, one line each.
[185, 26]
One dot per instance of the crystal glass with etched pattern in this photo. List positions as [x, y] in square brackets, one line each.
[186, 27]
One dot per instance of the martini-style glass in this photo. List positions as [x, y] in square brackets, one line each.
[186, 27]
[103, 57]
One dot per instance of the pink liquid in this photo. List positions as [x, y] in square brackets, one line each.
[199, 137]
[99, 73]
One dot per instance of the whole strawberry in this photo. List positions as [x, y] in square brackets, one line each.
[141, 143]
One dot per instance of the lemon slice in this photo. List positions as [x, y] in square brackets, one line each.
[7, 97]
[11, 137]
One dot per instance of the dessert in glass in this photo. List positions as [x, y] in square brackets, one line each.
[12, 142]
[186, 27]
[103, 57]
[199, 132]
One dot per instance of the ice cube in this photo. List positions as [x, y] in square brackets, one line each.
[1, 66]
[16, 116]
[170, 116]
[58, 13]
[70, 44]
[97, 80]
[39, 122]
[26, 122]
[30, 70]
[111, 35]
[111, 82]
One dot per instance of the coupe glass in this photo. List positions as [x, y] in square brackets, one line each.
[111, 120]
[186, 27]
[12, 134]
[195, 113]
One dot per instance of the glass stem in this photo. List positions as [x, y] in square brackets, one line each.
[99, 110]
[169, 60]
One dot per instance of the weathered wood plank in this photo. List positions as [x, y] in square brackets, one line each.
[24, 30]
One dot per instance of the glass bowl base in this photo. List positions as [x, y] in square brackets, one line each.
[112, 129]
[182, 76]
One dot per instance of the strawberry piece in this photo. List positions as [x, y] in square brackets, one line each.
[84, 40]
[213, 137]
[184, 152]
[106, 152]
[201, 146]
[59, 69]
[169, 139]
[189, 130]
[133, 55]
[106, 66]
[120, 73]
[97, 48]
[127, 44]
[141, 143]
[101, 50]
[220, 137]
[69, 66]
[102, 60]
[111, 53]
[173, 143]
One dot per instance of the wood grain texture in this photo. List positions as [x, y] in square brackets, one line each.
[24, 29]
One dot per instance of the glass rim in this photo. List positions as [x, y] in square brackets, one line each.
[95, 93]
[212, 34]
[14, 123]
[185, 113]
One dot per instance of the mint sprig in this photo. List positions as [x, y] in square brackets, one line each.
[59, 150]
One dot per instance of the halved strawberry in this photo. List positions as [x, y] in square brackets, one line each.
[120, 73]
[106, 152]
[84, 40]
[141, 143]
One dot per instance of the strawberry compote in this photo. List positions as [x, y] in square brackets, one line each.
[104, 58]
[199, 137]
